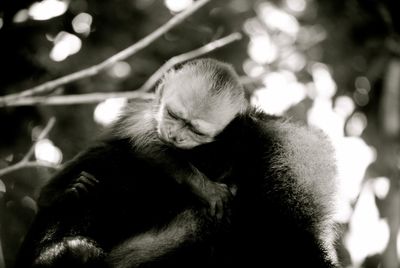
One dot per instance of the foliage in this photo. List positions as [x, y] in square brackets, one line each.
[333, 64]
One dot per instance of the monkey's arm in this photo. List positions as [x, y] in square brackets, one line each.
[80, 188]
[216, 195]
[61, 230]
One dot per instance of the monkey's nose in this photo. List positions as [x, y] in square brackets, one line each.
[172, 137]
[175, 138]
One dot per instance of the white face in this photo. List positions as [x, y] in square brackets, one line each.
[188, 116]
[178, 129]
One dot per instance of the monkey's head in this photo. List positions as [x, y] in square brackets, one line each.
[197, 101]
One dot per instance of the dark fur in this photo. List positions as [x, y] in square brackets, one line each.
[280, 216]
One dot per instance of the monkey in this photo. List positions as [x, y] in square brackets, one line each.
[157, 127]
[285, 198]
[135, 216]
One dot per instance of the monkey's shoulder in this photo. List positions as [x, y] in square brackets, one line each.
[301, 155]
[303, 150]
[105, 160]
[286, 134]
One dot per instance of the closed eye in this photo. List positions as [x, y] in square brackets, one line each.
[195, 131]
[171, 114]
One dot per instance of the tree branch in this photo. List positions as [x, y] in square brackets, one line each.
[187, 56]
[93, 70]
[139, 93]
[25, 162]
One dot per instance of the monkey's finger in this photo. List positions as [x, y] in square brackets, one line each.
[212, 208]
[80, 187]
[86, 181]
[89, 177]
[223, 185]
[71, 193]
[233, 189]
[220, 210]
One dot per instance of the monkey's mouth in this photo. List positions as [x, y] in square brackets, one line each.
[168, 142]
[165, 140]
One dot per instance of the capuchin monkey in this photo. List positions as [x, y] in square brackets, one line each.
[118, 204]
[189, 110]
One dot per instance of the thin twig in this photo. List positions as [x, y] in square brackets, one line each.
[139, 93]
[28, 164]
[93, 70]
[187, 56]
[25, 161]
[78, 98]
[41, 136]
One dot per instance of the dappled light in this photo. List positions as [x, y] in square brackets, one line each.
[344, 106]
[297, 6]
[333, 65]
[398, 245]
[295, 61]
[381, 187]
[46, 151]
[107, 111]
[21, 16]
[177, 5]
[282, 91]
[82, 23]
[65, 44]
[120, 69]
[262, 50]
[47, 9]
[278, 19]
[356, 124]
[368, 233]
[323, 81]
[252, 69]
[353, 157]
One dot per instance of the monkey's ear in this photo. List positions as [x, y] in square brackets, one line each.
[159, 91]
[160, 87]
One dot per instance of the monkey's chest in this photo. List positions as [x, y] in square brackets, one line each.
[217, 161]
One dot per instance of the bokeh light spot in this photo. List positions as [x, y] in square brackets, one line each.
[381, 187]
[262, 50]
[344, 106]
[361, 96]
[252, 68]
[282, 91]
[177, 5]
[324, 83]
[277, 19]
[107, 111]
[356, 124]
[82, 23]
[362, 82]
[21, 16]
[65, 44]
[296, 5]
[47, 9]
[120, 69]
[368, 233]
[46, 151]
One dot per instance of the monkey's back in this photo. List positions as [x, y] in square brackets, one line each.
[286, 176]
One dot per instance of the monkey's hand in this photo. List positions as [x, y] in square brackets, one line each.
[79, 188]
[216, 195]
